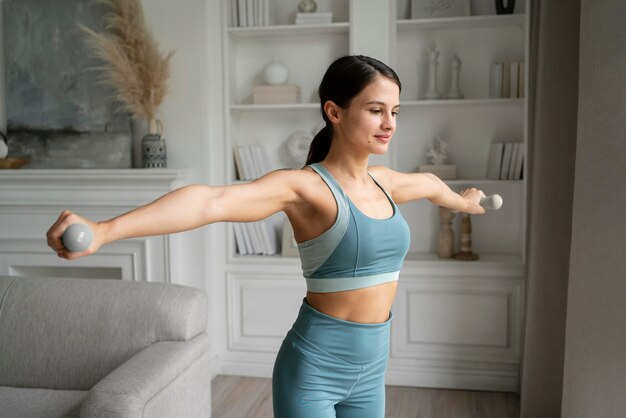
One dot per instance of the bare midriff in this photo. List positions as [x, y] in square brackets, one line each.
[369, 305]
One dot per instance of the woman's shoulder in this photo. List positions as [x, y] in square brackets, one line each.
[382, 174]
[299, 178]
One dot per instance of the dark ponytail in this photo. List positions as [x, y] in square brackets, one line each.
[345, 78]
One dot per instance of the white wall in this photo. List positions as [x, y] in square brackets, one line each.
[182, 27]
[192, 117]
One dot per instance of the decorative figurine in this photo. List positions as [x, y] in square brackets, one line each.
[438, 154]
[501, 9]
[298, 145]
[466, 253]
[455, 91]
[432, 93]
[445, 248]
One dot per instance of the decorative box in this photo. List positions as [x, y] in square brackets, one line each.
[276, 94]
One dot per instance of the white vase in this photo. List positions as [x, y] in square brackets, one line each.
[276, 73]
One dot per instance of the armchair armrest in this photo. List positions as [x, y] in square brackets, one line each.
[166, 376]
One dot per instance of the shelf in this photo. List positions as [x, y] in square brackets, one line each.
[409, 103]
[265, 259]
[481, 181]
[289, 30]
[125, 178]
[430, 267]
[464, 102]
[485, 258]
[469, 22]
[273, 107]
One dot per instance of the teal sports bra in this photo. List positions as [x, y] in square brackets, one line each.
[356, 251]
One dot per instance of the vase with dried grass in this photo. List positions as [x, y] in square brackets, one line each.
[138, 72]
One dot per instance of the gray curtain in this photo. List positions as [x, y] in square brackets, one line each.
[574, 363]
[553, 103]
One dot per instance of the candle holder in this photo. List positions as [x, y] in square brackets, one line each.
[445, 248]
[466, 253]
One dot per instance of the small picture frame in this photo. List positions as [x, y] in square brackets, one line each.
[426, 9]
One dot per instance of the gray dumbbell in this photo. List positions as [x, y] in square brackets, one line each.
[77, 237]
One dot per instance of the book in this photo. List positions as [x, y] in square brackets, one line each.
[238, 164]
[245, 161]
[246, 239]
[313, 18]
[234, 13]
[514, 83]
[511, 174]
[239, 239]
[519, 164]
[250, 12]
[506, 80]
[241, 13]
[521, 82]
[495, 85]
[506, 160]
[269, 237]
[263, 248]
[494, 160]
[255, 239]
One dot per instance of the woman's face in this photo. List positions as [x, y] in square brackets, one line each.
[370, 120]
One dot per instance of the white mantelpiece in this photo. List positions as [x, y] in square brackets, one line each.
[31, 200]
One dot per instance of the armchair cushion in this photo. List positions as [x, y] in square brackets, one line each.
[141, 380]
[39, 403]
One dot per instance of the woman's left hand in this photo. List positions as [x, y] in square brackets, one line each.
[472, 197]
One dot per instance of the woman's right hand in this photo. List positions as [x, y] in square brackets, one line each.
[55, 235]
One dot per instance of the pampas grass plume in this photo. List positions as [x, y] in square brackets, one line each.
[131, 61]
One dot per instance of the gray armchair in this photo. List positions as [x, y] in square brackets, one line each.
[102, 348]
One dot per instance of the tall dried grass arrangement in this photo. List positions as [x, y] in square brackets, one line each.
[132, 62]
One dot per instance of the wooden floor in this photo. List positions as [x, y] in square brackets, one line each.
[251, 397]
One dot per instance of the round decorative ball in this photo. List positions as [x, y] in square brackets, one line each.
[77, 237]
[4, 148]
[307, 6]
[276, 73]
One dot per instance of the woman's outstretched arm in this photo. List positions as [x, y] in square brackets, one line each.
[407, 187]
[184, 209]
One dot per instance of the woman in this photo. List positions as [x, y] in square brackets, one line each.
[352, 241]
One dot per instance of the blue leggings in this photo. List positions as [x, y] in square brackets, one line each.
[328, 368]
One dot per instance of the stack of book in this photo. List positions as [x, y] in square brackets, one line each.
[506, 161]
[252, 161]
[313, 18]
[249, 13]
[507, 80]
[258, 238]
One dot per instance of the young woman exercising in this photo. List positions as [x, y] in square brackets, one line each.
[351, 237]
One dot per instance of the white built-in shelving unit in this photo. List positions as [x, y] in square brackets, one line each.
[456, 324]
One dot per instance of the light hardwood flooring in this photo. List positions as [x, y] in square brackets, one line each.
[251, 397]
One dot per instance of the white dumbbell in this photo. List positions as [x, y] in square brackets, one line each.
[493, 202]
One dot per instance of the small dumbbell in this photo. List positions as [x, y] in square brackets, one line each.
[77, 237]
[489, 202]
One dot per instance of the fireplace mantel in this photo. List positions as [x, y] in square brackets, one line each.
[31, 200]
[108, 187]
